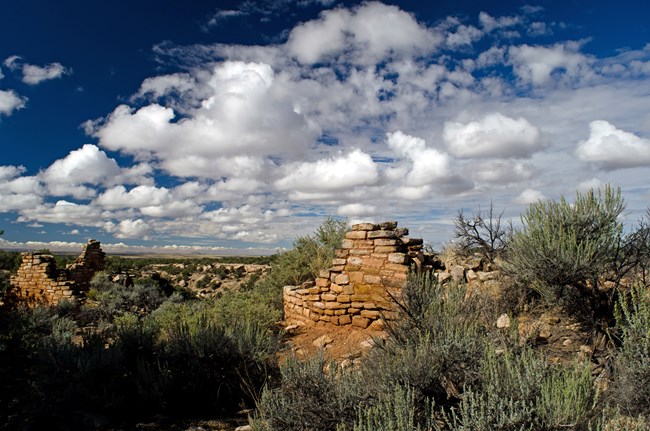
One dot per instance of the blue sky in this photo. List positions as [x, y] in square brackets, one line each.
[232, 127]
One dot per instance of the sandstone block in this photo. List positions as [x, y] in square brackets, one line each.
[322, 282]
[342, 279]
[386, 242]
[340, 253]
[381, 234]
[319, 305]
[356, 234]
[324, 273]
[385, 249]
[345, 319]
[355, 260]
[370, 314]
[347, 244]
[388, 225]
[354, 310]
[373, 263]
[360, 252]
[339, 261]
[336, 288]
[343, 298]
[372, 279]
[364, 226]
[397, 258]
[328, 297]
[360, 322]
[397, 267]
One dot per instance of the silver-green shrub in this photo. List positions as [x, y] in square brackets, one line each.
[563, 248]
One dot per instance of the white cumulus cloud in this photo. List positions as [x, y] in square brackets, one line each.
[612, 148]
[343, 172]
[495, 135]
[10, 101]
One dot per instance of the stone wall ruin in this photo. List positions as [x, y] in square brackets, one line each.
[367, 273]
[39, 280]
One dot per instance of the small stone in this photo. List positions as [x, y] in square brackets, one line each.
[503, 322]
[567, 342]
[322, 341]
[457, 273]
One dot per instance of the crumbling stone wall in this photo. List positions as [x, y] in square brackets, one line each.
[359, 288]
[39, 280]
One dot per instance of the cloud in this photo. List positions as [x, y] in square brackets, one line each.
[530, 196]
[495, 135]
[12, 62]
[364, 34]
[131, 229]
[540, 65]
[342, 172]
[241, 109]
[611, 148]
[428, 164]
[356, 210]
[10, 102]
[490, 23]
[503, 172]
[33, 74]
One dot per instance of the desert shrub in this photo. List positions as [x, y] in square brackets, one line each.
[396, 410]
[632, 365]
[484, 233]
[114, 299]
[564, 249]
[313, 396]
[435, 348]
[9, 260]
[519, 391]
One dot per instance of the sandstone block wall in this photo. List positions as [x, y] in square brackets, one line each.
[39, 280]
[358, 289]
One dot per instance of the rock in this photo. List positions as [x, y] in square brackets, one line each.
[457, 273]
[442, 276]
[471, 275]
[503, 322]
[244, 428]
[544, 335]
[567, 342]
[322, 341]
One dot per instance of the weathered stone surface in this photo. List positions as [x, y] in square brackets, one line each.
[457, 273]
[356, 234]
[361, 322]
[342, 279]
[381, 234]
[364, 226]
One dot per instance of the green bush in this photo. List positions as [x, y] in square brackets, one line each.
[396, 410]
[565, 248]
[631, 390]
[520, 391]
[437, 345]
[313, 395]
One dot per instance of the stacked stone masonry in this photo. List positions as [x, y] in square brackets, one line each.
[367, 273]
[39, 280]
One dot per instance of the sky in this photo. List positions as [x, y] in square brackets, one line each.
[234, 126]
